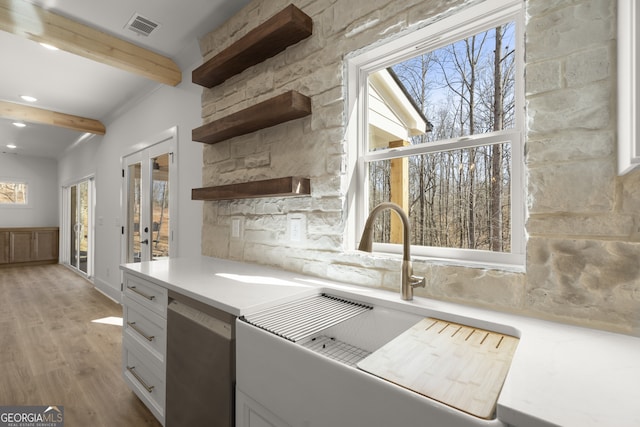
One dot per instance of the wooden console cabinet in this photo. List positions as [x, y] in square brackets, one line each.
[28, 246]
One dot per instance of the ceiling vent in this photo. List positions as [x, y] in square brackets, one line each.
[141, 25]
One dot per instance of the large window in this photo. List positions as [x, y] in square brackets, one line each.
[439, 132]
[13, 193]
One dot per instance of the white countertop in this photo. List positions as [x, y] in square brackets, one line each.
[235, 287]
[560, 375]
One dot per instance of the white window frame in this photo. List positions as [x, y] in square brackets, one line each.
[27, 201]
[628, 87]
[478, 17]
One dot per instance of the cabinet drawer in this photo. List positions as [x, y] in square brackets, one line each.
[146, 293]
[146, 382]
[145, 327]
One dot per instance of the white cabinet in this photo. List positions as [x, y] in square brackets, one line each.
[144, 341]
[250, 413]
[146, 329]
[146, 381]
[146, 293]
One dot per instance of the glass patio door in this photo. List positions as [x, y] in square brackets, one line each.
[149, 177]
[80, 226]
[159, 234]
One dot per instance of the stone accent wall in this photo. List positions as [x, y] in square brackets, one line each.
[584, 221]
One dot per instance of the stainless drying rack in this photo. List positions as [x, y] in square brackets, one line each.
[302, 318]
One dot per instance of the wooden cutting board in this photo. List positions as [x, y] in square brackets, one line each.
[461, 366]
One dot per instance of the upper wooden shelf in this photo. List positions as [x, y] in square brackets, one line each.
[279, 109]
[277, 187]
[284, 29]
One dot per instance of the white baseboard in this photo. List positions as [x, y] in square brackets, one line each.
[109, 291]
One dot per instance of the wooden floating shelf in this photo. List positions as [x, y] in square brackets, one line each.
[278, 187]
[282, 30]
[279, 109]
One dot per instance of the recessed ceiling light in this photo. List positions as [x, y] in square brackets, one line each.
[48, 46]
[12, 146]
[28, 98]
[19, 124]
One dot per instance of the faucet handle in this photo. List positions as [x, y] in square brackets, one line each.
[417, 281]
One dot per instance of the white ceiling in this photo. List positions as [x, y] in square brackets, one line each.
[70, 84]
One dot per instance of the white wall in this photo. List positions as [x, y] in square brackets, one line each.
[41, 175]
[165, 108]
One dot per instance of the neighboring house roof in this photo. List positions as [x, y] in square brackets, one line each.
[410, 98]
[393, 114]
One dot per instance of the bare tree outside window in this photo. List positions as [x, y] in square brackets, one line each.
[458, 196]
[13, 193]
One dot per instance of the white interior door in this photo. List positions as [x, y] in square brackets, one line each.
[149, 202]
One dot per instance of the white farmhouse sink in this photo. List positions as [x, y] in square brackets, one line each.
[325, 322]
[306, 387]
[350, 341]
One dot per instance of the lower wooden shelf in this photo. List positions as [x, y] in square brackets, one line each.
[279, 109]
[278, 187]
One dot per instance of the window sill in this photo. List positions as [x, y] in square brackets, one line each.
[509, 262]
[10, 206]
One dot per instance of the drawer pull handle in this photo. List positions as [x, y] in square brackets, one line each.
[138, 330]
[131, 369]
[142, 294]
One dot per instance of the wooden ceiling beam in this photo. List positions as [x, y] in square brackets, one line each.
[26, 113]
[25, 19]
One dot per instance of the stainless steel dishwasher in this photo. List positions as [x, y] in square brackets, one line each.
[200, 364]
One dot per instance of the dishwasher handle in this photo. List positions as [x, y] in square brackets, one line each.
[217, 326]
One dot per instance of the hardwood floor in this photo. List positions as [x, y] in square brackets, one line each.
[52, 353]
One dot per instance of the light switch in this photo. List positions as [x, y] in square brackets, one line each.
[295, 229]
[235, 227]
